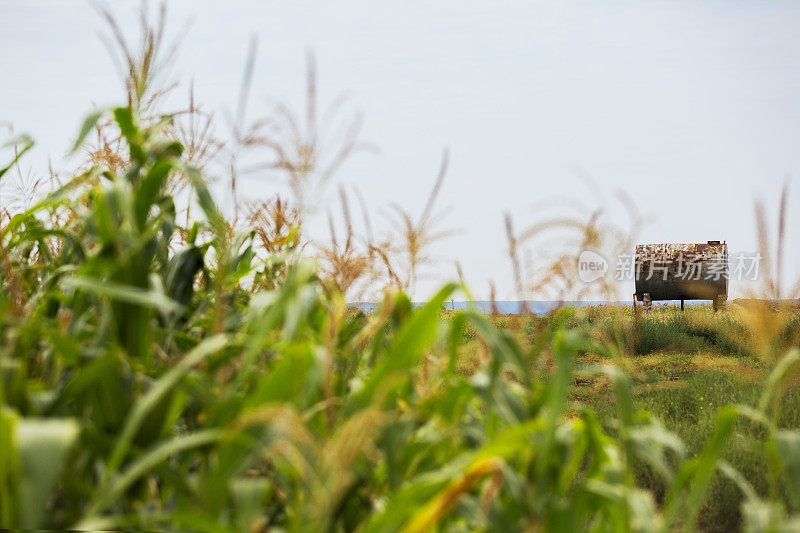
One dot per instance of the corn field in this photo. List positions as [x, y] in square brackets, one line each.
[168, 365]
[163, 377]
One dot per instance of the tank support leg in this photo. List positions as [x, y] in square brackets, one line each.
[681, 304]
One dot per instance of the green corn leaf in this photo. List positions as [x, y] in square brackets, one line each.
[43, 446]
[248, 500]
[150, 188]
[124, 293]
[54, 199]
[153, 396]
[695, 475]
[181, 271]
[88, 125]
[144, 464]
[775, 380]
[410, 342]
[565, 346]
[292, 380]
[787, 446]
[23, 143]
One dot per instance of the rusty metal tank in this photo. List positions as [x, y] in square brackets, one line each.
[682, 272]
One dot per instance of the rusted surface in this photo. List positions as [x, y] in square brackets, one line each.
[673, 251]
[672, 271]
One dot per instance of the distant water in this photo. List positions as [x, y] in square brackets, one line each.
[536, 307]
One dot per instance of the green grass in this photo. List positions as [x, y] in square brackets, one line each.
[684, 367]
[688, 407]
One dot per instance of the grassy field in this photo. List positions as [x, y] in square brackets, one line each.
[684, 367]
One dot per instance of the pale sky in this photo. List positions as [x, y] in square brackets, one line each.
[690, 107]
